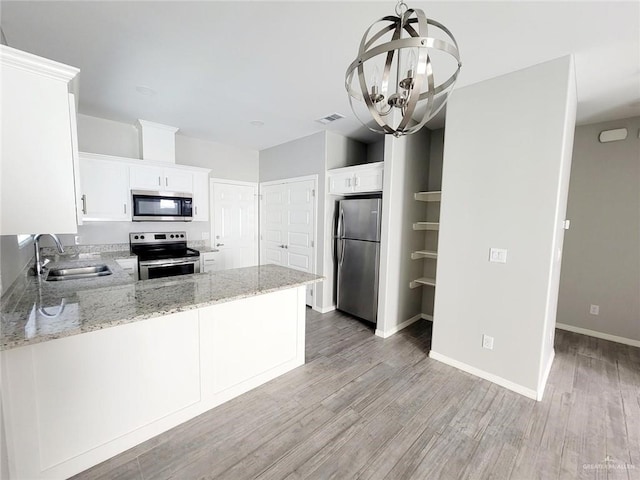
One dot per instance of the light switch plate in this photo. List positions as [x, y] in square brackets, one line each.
[498, 255]
[594, 309]
[487, 342]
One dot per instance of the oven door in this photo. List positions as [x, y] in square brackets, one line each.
[168, 267]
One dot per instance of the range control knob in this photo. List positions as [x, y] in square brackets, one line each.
[182, 235]
[136, 237]
[171, 236]
[141, 237]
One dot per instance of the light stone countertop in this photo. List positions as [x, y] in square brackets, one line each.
[36, 311]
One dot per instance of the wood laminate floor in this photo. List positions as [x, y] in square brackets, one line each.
[367, 408]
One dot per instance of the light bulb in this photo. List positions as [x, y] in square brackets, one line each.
[375, 77]
[411, 63]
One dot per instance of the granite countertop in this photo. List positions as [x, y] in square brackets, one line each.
[36, 311]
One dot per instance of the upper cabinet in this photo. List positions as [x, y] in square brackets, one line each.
[38, 145]
[167, 179]
[200, 197]
[105, 190]
[106, 183]
[357, 179]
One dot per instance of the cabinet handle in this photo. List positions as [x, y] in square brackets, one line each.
[84, 204]
[348, 182]
[356, 181]
[125, 208]
[196, 210]
[166, 181]
[159, 181]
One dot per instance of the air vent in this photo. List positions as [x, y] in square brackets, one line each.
[330, 118]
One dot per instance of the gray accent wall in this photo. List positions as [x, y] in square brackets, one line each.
[601, 261]
[507, 155]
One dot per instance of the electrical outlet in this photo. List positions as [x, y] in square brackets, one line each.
[594, 309]
[487, 342]
[498, 255]
[76, 239]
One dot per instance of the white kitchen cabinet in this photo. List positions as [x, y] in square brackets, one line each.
[105, 190]
[73, 402]
[365, 178]
[106, 182]
[159, 178]
[200, 197]
[37, 184]
[209, 262]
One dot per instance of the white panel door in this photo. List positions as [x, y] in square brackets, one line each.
[288, 226]
[234, 224]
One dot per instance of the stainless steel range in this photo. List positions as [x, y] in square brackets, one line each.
[163, 254]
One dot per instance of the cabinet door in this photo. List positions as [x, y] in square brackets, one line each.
[369, 180]
[177, 180]
[209, 263]
[105, 190]
[200, 197]
[342, 182]
[36, 158]
[147, 177]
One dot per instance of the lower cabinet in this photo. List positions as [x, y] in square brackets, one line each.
[209, 262]
[71, 403]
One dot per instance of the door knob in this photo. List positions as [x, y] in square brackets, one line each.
[219, 244]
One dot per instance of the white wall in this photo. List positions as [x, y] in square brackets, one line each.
[13, 260]
[601, 263]
[225, 161]
[98, 135]
[506, 158]
[406, 168]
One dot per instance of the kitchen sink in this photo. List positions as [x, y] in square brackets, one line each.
[57, 274]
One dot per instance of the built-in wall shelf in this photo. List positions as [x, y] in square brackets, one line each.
[418, 282]
[423, 254]
[426, 226]
[427, 196]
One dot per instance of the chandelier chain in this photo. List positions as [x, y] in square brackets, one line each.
[401, 8]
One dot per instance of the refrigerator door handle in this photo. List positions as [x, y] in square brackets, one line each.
[341, 223]
[341, 252]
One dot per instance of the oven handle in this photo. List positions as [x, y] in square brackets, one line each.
[168, 261]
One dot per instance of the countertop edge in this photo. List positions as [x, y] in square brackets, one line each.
[149, 316]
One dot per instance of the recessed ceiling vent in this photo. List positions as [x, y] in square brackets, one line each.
[330, 118]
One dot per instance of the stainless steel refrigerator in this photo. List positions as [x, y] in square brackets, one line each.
[358, 256]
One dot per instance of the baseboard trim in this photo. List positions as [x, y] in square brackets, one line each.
[594, 333]
[324, 310]
[514, 387]
[397, 328]
[545, 376]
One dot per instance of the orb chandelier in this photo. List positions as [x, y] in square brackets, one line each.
[397, 74]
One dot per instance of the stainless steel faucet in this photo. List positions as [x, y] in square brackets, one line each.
[39, 266]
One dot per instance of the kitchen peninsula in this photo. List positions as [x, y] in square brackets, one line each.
[89, 372]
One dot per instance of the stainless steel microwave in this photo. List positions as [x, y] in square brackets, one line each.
[151, 206]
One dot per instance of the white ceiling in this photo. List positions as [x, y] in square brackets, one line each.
[217, 66]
